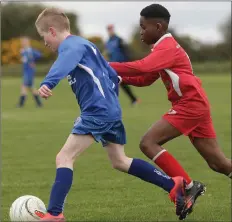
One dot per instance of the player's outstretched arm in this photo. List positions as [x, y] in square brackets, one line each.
[67, 60]
[156, 61]
[141, 81]
[36, 54]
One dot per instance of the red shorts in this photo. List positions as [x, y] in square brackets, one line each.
[191, 122]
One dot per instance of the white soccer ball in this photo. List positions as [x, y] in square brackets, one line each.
[27, 208]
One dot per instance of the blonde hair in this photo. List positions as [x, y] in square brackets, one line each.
[52, 17]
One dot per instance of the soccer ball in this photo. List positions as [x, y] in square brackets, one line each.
[27, 208]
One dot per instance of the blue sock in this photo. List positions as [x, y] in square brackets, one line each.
[149, 173]
[60, 189]
[22, 100]
[37, 100]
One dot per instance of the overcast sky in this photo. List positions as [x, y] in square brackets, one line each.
[199, 19]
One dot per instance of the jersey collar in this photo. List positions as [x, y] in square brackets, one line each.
[168, 35]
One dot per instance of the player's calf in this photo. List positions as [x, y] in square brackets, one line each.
[211, 152]
[122, 164]
[22, 100]
[221, 166]
[73, 147]
[37, 100]
[161, 132]
[147, 172]
[22, 97]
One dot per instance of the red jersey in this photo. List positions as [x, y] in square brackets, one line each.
[170, 62]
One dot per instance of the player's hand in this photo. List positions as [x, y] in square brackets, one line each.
[32, 65]
[45, 92]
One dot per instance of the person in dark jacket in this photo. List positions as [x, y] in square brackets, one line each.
[118, 52]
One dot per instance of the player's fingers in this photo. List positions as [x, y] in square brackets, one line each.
[48, 91]
[42, 94]
[45, 91]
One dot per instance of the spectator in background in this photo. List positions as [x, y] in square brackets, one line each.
[118, 52]
[28, 58]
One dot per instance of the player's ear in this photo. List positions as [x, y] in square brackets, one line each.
[52, 31]
[159, 26]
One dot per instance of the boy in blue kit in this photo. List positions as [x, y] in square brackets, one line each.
[95, 85]
[28, 57]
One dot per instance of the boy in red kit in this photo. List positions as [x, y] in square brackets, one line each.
[190, 112]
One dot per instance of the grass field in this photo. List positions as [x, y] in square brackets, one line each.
[31, 137]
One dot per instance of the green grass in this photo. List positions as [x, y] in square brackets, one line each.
[210, 67]
[31, 137]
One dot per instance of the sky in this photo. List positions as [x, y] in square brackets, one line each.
[201, 20]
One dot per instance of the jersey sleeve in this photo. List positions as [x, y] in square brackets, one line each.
[140, 81]
[156, 61]
[67, 60]
[36, 54]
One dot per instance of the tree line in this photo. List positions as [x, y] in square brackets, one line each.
[18, 19]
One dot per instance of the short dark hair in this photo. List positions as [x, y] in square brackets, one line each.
[156, 11]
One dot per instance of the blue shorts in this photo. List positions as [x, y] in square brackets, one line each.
[28, 78]
[28, 82]
[104, 132]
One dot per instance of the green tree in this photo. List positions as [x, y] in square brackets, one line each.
[197, 51]
[225, 46]
[18, 19]
[98, 41]
[225, 29]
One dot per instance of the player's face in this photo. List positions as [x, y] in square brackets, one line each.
[25, 42]
[50, 39]
[110, 31]
[150, 30]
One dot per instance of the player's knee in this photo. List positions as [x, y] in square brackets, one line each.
[62, 159]
[59, 159]
[117, 165]
[120, 164]
[145, 145]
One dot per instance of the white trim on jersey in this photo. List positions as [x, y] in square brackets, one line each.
[175, 81]
[168, 35]
[95, 79]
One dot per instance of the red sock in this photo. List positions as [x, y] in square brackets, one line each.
[170, 165]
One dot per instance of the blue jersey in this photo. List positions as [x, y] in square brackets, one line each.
[116, 49]
[29, 56]
[93, 81]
